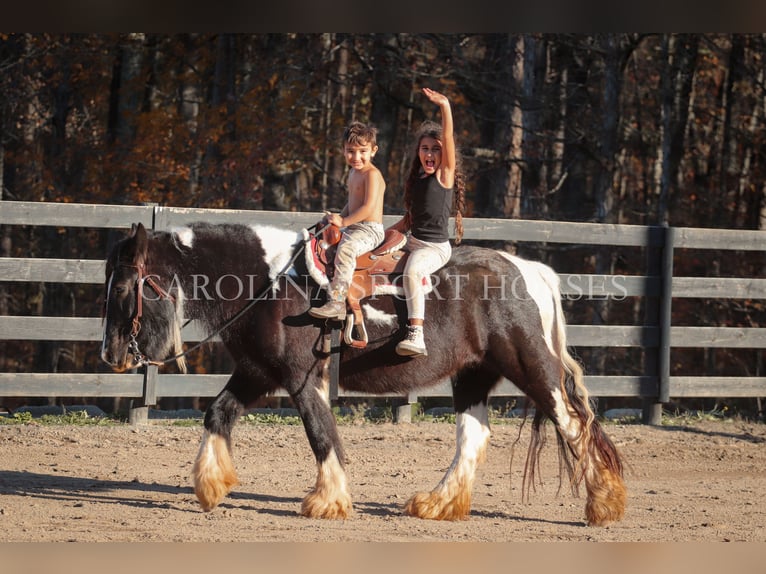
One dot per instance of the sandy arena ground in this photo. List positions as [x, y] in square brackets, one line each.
[701, 482]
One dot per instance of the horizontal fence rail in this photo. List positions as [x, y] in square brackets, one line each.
[657, 338]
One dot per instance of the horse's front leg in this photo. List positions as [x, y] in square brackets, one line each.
[213, 472]
[330, 497]
[451, 499]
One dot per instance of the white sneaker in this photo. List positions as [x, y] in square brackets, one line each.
[413, 344]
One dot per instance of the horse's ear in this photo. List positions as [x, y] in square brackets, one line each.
[137, 244]
[142, 243]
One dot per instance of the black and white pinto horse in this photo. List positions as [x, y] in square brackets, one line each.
[490, 315]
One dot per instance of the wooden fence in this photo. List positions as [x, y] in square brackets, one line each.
[657, 336]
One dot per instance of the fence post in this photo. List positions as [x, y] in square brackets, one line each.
[403, 410]
[659, 263]
[139, 414]
[651, 409]
[666, 304]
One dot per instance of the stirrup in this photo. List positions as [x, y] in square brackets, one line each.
[348, 333]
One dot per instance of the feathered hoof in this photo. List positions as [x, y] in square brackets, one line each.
[319, 505]
[213, 472]
[432, 506]
[606, 499]
[212, 487]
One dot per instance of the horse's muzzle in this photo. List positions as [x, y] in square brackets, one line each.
[122, 364]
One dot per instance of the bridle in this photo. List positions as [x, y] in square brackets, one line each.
[142, 278]
[136, 324]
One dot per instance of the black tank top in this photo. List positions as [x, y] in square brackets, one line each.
[430, 210]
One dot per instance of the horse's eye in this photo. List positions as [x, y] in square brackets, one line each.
[119, 290]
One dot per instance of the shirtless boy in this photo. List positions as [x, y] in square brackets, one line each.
[361, 220]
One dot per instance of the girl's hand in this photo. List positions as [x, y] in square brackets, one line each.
[436, 97]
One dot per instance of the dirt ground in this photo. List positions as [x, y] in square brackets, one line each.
[701, 481]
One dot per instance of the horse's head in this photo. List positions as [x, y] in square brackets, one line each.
[140, 320]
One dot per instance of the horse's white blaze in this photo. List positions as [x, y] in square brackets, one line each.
[184, 235]
[278, 247]
[539, 279]
[379, 317]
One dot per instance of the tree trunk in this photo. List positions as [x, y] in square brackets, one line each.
[683, 67]
[662, 173]
[335, 104]
[390, 86]
[747, 195]
[573, 197]
[727, 166]
[495, 105]
[604, 189]
[126, 93]
[533, 102]
[557, 173]
[512, 195]
[189, 101]
[760, 212]
[610, 113]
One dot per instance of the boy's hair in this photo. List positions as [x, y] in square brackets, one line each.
[358, 133]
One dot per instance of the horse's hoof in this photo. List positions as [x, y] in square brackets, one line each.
[213, 472]
[211, 490]
[606, 499]
[317, 506]
[431, 506]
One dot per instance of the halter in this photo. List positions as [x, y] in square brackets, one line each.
[136, 328]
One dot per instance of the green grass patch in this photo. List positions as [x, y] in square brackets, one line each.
[77, 418]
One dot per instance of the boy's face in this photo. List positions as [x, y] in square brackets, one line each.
[359, 156]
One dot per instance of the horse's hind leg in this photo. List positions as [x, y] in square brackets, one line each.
[451, 499]
[559, 393]
[598, 461]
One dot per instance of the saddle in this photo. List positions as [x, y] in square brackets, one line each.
[385, 260]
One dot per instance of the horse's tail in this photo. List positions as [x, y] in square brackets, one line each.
[572, 370]
[591, 443]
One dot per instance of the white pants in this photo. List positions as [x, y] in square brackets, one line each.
[424, 259]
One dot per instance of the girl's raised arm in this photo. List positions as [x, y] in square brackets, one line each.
[448, 139]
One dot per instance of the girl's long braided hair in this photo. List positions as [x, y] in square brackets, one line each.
[433, 129]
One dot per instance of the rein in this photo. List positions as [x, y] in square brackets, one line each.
[133, 343]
